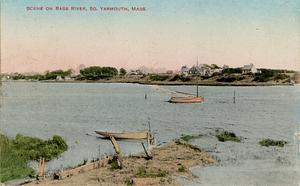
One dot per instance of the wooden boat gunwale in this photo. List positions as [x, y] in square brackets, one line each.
[126, 135]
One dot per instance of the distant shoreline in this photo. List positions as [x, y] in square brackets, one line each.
[163, 83]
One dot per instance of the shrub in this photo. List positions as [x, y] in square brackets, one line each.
[227, 136]
[232, 70]
[189, 137]
[181, 168]
[34, 148]
[142, 173]
[180, 78]
[159, 77]
[114, 164]
[227, 79]
[281, 77]
[96, 72]
[269, 142]
[16, 152]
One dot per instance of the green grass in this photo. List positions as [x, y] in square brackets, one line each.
[114, 163]
[269, 142]
[227, 136]
[128, 182]
[157, 77]
[181, 168]
[15, 153]
[143, 173]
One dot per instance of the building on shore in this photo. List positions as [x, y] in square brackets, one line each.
[184, 70]
[249, 69]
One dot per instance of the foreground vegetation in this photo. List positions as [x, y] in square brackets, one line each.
[15, 154]
[187, 137]
[270, 142]
[227, 136]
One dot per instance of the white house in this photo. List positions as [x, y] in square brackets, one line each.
[184, 70]
[249, 69]
[59, 78]
[202, 70]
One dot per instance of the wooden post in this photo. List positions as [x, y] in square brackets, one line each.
[41, 171]
[148, 154]
[117, 149]
[234, 96]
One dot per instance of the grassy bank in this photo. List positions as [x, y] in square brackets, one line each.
[15, 153]
[172, 159]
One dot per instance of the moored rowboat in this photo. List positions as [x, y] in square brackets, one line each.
[126, 135]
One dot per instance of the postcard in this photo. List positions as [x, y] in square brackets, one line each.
[150, 92]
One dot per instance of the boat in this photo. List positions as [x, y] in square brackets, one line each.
[190, 99]
[126, 135]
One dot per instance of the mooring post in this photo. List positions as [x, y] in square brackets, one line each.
[234, 96]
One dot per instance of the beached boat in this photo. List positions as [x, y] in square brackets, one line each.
[126, 135]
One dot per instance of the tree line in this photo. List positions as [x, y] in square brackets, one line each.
[90, 73]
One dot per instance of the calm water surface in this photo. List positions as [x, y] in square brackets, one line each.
[75, 110]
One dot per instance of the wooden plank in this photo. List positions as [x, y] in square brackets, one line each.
[116, 145]
[83, 168]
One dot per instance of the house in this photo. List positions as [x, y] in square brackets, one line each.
[225, 67]
[202, 70]
[59, 78]
[249, 69]
[184, 70]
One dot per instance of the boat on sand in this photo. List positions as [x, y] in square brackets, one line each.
[126, 135]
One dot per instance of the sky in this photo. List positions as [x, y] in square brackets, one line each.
[169, 34]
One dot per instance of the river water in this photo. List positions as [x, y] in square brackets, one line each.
[76, 110]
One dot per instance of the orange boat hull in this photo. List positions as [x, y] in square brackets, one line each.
[192, 99]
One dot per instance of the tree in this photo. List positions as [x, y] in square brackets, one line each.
[122, 71]
[96, 72]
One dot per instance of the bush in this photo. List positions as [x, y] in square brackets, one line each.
[268, 75]
[181, 168]
[270, 142]
[114, 163]
[53, 74]
[142, 173]
[122, 71]
[180, 77]
[96, 72]
[159, 77]
[227, 136]
[34, 148]
[227, 79]
[233, 70]
[18, 76]
[281, 77]
[189, 137]
[16, 152]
